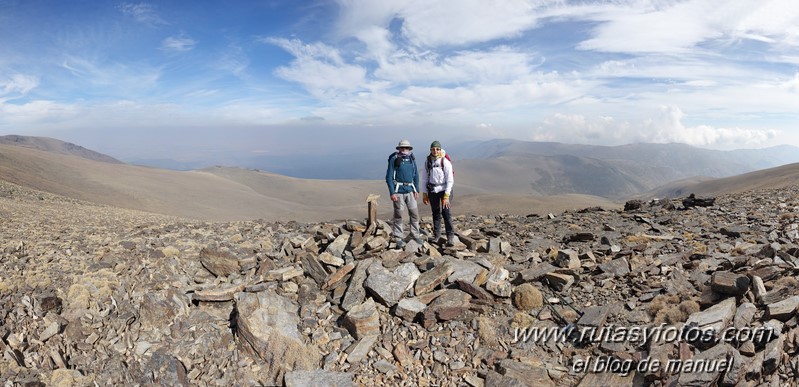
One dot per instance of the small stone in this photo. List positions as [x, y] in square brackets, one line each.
[616, 267]
[409, 308]
[402, 354]
[290, 287]
[456, 365]
[356, 293]
[384, 366]
[568, 259]
[389, 286]
[558, 281]
[339, 245]
[358, 350]
[330, 259]
[363, 320]
[497, 282]
[318, 378]
[729, 283]
[219, 262]
[225, 293]
[51, 330]
[784, 309]
[430, 279]
[716, 318]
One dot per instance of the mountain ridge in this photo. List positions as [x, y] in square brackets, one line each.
[536, 168]
[228, 193]
[56, 146]
[511, 182]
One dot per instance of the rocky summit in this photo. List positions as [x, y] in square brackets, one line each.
[694, 293]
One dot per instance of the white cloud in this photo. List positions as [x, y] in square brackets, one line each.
[113, 78]
[17, 85]
[792, 85]
[234, 61]
[640, 29]
[668, 127]
[459, 22]
[142, 13]
[320, 69]
[497, 65]
[17, 117]
[664, 126]
[676, 27]
[594, 71]
[180, 43]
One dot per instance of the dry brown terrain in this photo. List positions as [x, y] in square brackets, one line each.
[772, 178]
[224, 194]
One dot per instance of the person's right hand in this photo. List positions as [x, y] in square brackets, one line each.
[425, 200]
[394, 198]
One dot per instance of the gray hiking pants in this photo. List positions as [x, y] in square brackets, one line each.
[405, 200]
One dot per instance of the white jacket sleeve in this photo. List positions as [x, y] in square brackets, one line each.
[448, 176]
[425, 177]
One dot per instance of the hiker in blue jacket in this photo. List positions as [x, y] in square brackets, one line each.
[402, 178]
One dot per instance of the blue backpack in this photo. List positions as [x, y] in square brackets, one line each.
[398, 160]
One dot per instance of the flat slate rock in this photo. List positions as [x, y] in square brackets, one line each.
[219, 262]
[267, 325]
[319, 378]
[225, 293]
[718, 317]
[430, 279]
[390, 286]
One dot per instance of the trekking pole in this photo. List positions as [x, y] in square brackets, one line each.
[563, 301]
[568, 327]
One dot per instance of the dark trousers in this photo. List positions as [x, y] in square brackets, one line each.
[438, 211]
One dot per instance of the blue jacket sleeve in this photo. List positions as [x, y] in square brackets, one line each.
[390, 175]
[416, 178]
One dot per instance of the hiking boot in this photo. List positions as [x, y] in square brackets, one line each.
[435, 238]
[400, 243]
[450, 240]
[418, 241]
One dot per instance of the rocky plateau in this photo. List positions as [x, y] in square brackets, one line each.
[92, 295]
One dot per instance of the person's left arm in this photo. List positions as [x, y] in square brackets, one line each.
[416, 181]
[449, 176]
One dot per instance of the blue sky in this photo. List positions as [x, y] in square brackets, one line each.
[173, 78]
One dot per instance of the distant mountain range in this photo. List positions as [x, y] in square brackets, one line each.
[500, 176]
[608, 171]
[535, 168]
[229, 193]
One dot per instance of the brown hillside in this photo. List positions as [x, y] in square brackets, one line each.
[56, 146]
[772, 178]
[237, 194]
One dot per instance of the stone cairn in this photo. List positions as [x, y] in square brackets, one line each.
[93, 295]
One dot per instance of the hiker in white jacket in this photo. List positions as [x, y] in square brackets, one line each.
[437, 182]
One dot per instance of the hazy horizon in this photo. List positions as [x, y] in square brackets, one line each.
[162, 80]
